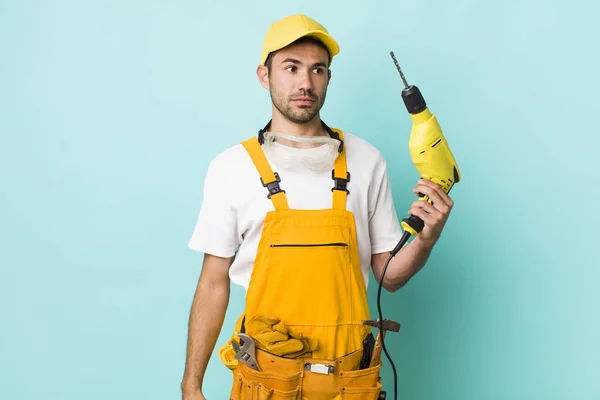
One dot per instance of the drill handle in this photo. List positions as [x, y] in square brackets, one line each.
[414, 224]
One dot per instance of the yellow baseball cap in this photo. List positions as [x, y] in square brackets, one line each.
[289, 29]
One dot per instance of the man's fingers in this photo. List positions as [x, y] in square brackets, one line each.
[419, 212]
[428, 213]
[429, 183]
[434, 197]
[437, 195]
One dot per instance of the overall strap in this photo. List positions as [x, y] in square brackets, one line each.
[268, 178]
[341, 177]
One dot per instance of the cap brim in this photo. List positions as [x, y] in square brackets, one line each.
[327, 40]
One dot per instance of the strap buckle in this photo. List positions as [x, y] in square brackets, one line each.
[340, 183]
[273, 187]
[319, 368]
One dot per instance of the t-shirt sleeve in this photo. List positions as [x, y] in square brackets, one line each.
[384, 227]
[215, 231]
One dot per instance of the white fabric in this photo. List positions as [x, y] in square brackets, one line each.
[235, 204]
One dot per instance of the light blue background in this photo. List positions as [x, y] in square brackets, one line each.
[111, 110]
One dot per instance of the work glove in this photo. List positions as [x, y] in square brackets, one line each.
[271, 335]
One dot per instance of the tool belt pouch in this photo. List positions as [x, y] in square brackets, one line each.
[227, 356]
[226, 352]
[363, 384]
[249, 384]
[282, 378]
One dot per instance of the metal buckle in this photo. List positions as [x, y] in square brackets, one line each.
[319, 368]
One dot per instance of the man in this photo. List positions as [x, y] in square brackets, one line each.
[298, 216]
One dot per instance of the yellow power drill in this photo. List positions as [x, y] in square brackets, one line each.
[431, 155]
[428, 148]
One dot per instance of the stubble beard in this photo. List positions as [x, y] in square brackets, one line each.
[302, 116]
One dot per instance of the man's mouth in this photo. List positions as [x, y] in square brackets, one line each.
[303, 101]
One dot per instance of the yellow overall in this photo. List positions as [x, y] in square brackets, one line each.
[305, 302]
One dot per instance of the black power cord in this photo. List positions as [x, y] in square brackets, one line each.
[400, 244]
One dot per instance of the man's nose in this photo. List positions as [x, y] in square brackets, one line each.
[305, 82]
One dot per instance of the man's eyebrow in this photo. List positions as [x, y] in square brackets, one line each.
[291, 60]
[298, 62]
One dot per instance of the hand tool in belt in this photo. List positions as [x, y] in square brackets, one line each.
[385, 325]
[246, 351]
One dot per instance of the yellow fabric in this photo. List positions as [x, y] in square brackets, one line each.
[264, 169]
[318, 291]
[306, 298]
[340, 171]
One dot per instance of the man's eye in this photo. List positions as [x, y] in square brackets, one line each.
[291, 68]
[318, 70]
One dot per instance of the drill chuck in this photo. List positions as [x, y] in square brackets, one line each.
[413, 100]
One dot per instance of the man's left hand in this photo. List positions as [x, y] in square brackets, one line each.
[433, 215]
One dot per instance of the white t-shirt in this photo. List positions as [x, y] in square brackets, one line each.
[235, 204]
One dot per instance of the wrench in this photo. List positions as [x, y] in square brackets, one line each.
[246, 353]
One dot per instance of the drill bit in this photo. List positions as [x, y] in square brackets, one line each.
[399, 69]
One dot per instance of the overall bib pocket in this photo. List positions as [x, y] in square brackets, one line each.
[313, 268]
[311, 245]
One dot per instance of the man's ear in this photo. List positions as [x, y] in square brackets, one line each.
[329, 74]
[262, 72]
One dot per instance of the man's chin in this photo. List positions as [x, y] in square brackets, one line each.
[303, 119]
[300, 115]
